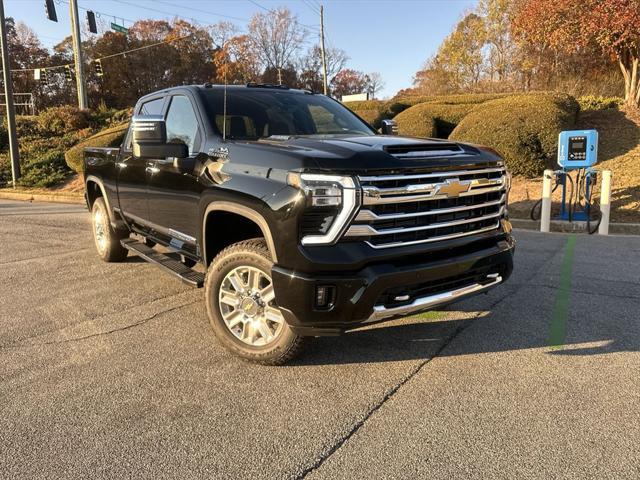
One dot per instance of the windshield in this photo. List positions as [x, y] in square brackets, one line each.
[253, 114]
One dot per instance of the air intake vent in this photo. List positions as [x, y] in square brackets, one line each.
[424, 149]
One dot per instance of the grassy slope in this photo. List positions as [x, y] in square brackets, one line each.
[619, 151]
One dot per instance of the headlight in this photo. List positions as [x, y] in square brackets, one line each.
[331, 202]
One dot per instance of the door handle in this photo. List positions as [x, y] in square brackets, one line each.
[164, 161]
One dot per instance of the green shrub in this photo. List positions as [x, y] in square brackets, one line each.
[372, 117]
[42, 175]
[594, 102]
[26, 126]
[523, 128]
[446, 116]
[453, 99]
[110, 137]
[61, 120]
[416, 122]
[397, 107]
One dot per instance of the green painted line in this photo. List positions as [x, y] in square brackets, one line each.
[558, 330]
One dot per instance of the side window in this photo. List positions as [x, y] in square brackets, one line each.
[152, 107]
[182, 124]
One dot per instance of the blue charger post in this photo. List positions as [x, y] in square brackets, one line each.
[577, 150]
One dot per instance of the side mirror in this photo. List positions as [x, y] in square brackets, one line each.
[150, 139]
[389, 127]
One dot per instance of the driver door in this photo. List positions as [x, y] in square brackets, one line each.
[132, 172]
[173, 196]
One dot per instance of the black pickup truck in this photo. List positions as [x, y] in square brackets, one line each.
[295, 215]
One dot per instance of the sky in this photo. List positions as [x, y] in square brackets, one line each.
[393, 37]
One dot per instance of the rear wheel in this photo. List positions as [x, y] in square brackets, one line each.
[106, 238]
[242, 307]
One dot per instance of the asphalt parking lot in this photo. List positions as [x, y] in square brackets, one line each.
[112, 371]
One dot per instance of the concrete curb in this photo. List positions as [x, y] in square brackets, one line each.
[576, 227]
[42, 197]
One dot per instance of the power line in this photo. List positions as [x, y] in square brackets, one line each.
[203, 11]
[101, 14]
[125, 52]
[272, 11]
[311, 6]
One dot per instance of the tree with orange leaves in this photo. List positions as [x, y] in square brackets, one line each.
[571, 26]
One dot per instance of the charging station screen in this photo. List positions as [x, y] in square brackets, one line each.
[577, 148]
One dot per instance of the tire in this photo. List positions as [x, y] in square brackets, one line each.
[241, 305]
[107, 239]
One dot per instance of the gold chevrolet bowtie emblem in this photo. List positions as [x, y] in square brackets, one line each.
[453, 188]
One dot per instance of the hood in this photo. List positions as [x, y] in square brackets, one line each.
[360, 154]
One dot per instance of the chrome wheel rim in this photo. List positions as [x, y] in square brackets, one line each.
[247, 305]
[100, 230]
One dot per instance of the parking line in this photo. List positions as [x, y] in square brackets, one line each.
[558, 330]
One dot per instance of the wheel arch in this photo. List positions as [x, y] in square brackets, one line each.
[95, 188]
[241, 211]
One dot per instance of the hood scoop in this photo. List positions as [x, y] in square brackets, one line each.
[423, 150]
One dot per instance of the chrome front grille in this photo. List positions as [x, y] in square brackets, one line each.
[420, 208]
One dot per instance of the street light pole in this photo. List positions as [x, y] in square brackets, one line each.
[77, 54]
[8, 95]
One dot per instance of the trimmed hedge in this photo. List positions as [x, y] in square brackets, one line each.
[374, 111]
[454, 99]
[417, 122]
[110, 137]
[446, 117]
[594, 102]
[523, 128]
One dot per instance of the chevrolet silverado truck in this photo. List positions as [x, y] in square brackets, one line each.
[297, 217]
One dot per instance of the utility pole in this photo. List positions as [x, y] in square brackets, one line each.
[324, 55]
[8, 95]
[77, 54]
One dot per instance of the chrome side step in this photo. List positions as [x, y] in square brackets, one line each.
[168, 264]
[380, 312]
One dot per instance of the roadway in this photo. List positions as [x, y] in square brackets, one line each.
[112, 370]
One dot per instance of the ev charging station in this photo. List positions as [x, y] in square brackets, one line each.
[578, 154]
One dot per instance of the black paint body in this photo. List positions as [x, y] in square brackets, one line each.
[168, 206]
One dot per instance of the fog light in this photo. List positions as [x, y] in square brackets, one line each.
[325, 296]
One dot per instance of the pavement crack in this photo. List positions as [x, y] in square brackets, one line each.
[100, 334]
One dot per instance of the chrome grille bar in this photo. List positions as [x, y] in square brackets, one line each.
[373, 195]
[369, 231]
[369, 216]
[435, 239]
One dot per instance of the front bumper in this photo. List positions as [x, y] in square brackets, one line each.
[388, 290]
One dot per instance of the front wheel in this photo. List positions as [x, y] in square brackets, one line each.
[107, 239]
[242, 307]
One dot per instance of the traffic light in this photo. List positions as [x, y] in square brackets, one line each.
[40, 74]
[50, 8]
[68, 73]
[98, 67]
[91, 20]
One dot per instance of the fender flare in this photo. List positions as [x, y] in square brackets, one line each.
[97, 181]
[243, 211]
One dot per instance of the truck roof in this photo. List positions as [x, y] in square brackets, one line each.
[210, 86]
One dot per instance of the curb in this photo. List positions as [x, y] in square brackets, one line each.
[42, 197]
[576, 227]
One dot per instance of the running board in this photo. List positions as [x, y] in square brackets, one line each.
[168, 264]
